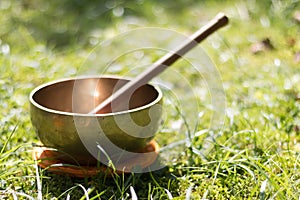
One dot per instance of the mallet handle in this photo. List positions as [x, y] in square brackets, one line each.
[125, 91]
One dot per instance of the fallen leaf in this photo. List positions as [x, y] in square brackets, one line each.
[296, 128]
[291, 42]
[267, 43]
[297, 57]
[297, 16]
[264, 45]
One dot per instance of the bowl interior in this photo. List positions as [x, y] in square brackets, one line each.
[81, 95]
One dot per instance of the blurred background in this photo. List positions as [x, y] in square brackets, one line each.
[257, 57]
[66, 22]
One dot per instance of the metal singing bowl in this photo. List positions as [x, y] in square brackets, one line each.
[56, 106]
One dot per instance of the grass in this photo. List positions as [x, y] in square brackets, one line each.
[256, 153]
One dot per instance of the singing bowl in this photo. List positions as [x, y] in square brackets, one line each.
[59, 113]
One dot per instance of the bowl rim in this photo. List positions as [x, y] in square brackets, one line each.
[39, 106]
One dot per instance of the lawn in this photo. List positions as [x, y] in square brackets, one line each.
[231, 129]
